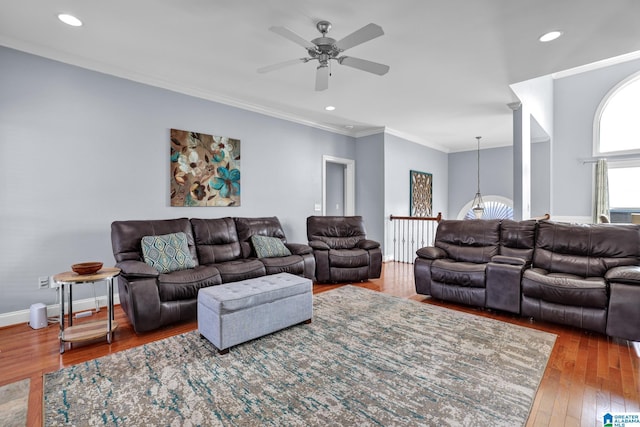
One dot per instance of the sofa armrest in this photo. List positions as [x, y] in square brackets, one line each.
[628, 274]
[319, 245]
[132, 268]
[367, 244]
[298, 248]
[510, 260]
[431, 252]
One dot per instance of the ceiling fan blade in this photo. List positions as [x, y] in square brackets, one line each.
[322, 78]
[364, 65]
[364, 34]
[279, 65]
[288, 34]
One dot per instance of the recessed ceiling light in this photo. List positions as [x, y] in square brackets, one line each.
[550, 36]
[329, 108]
[70, 20]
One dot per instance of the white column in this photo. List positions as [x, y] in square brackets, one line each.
[521, 161]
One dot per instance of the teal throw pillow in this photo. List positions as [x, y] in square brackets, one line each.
[269, 247]
[168, 252]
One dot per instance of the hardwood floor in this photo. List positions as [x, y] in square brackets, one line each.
[587, 376]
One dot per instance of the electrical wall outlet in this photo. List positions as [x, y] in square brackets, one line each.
[43, 282]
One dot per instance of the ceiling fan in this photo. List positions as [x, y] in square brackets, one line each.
[324, 49]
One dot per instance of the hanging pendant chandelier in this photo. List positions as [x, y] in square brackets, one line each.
[478, 203]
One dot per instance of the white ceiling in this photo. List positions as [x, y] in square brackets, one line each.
[452, 61]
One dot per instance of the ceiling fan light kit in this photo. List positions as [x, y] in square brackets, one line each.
[325, 49]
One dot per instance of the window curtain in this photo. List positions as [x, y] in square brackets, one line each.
[602, 191]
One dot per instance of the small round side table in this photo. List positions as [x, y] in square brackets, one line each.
[86, 330]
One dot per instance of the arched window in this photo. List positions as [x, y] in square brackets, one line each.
[618, 121]
[495, 207]
[617, 133]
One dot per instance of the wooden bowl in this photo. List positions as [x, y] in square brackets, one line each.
[84, 268]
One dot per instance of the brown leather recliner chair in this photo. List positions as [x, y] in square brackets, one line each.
[341, 249]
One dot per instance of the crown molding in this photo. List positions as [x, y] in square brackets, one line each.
[416, 139]
[368, 132]
[597, 65]
[100, 67]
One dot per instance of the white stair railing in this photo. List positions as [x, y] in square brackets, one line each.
[411, 233]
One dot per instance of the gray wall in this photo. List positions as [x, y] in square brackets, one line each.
[80, 149]
[370, 188]
[400, 157]
[577, 98]
[540, 178]
[496, 177]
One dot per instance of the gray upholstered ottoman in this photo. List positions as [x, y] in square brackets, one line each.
[237, 312]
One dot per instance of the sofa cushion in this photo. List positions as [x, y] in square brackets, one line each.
[126, 236]
[469, 240]
[184, 284]
[293, 264]
[241, 269]
[167, 252]
[517, 238]
[338, 232]
[463, 274]
[216, 240]
[260, 226]
[348, 258]
[564, 288]
[585, 250]
[269, 247]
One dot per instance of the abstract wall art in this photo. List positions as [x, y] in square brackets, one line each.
[421, 194]
[205, 169]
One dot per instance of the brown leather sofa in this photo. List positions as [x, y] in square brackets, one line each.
[341, 249]
[222, 251]
[586, 276]
[457, 266]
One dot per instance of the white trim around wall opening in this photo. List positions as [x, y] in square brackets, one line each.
[349, 183]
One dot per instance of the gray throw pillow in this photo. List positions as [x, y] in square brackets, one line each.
[167, 252]
[269, 247]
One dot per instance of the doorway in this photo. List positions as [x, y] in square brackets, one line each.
[338, 186]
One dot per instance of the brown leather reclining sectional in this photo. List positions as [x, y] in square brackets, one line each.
[222, 252]
[581, 275]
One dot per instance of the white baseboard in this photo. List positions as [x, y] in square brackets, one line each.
[22, 316]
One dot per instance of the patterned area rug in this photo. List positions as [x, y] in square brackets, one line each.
[367, 359]
[14, 400]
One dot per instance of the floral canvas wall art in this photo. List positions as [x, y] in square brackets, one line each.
[205, 169]
[421, 194]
